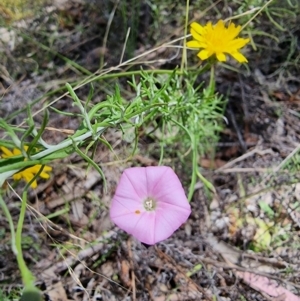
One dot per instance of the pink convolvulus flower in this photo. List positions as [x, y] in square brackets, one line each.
[149, 203]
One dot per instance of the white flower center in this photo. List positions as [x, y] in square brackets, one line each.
[149, 204]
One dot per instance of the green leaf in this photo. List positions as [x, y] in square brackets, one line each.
[266, 209]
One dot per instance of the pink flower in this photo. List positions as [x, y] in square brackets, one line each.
[149, 203]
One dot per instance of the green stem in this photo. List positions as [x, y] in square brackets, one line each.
[82, 109]
[162, 144]
[66, 143]
[212, 83]
[11, 224]
[194, 169]
[194, 159]
[130, 73]
[91, 162]
[27, 277]
[31, 292]
[104, 75]
[207, 184]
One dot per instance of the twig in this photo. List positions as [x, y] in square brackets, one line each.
[245, 156]
[132, 270]
[296, 149]
[241, 170]
[191, 284]
[238, 132]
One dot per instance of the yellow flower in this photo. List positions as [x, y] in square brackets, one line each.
[218, 40]
[28, 173]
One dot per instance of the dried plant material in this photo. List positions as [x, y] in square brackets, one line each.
[268, 286]
[56, 292]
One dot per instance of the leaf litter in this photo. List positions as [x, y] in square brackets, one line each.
[81, 256]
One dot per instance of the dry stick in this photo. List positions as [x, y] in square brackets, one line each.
[79, 258]
[245, 156]
[225, 168]
[175, 266]
[258, 12]
[89, 288]
[111, 17]
[132, 269]
[232, 257]
[50, 224]
[238, 132]
[244, 103]
[225, 265]
[245, 169]
[248, 12]
[124, 46]
[85, 253]
[297, 148]
[64, 131]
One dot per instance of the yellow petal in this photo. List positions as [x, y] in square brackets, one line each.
[209, 29]
[17, 176]
[27, 174]
[239, 43]
[33, 184]
[36, 168]
[16, 152]
[28, 177]
[44, 175]
[204, 54]
[221, 57]
[219, 26]
[197, 28]
[193, 44]
[33, 169]
[47, 168]
[195, 35]
[233, 31]
[6, 152]
[239, 57]
[217, 40]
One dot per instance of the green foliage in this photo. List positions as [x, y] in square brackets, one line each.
[293, 164]
[12, 295]
[182, 116]
[19, 9]
[176, 112]
[168, 104]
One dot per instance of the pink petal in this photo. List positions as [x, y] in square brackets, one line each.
[162, 185]
[137, 178]
[144, 230]
[174, 215]
[121, 206]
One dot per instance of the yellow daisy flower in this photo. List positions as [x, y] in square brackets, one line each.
[28, 173]
[217, 39]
